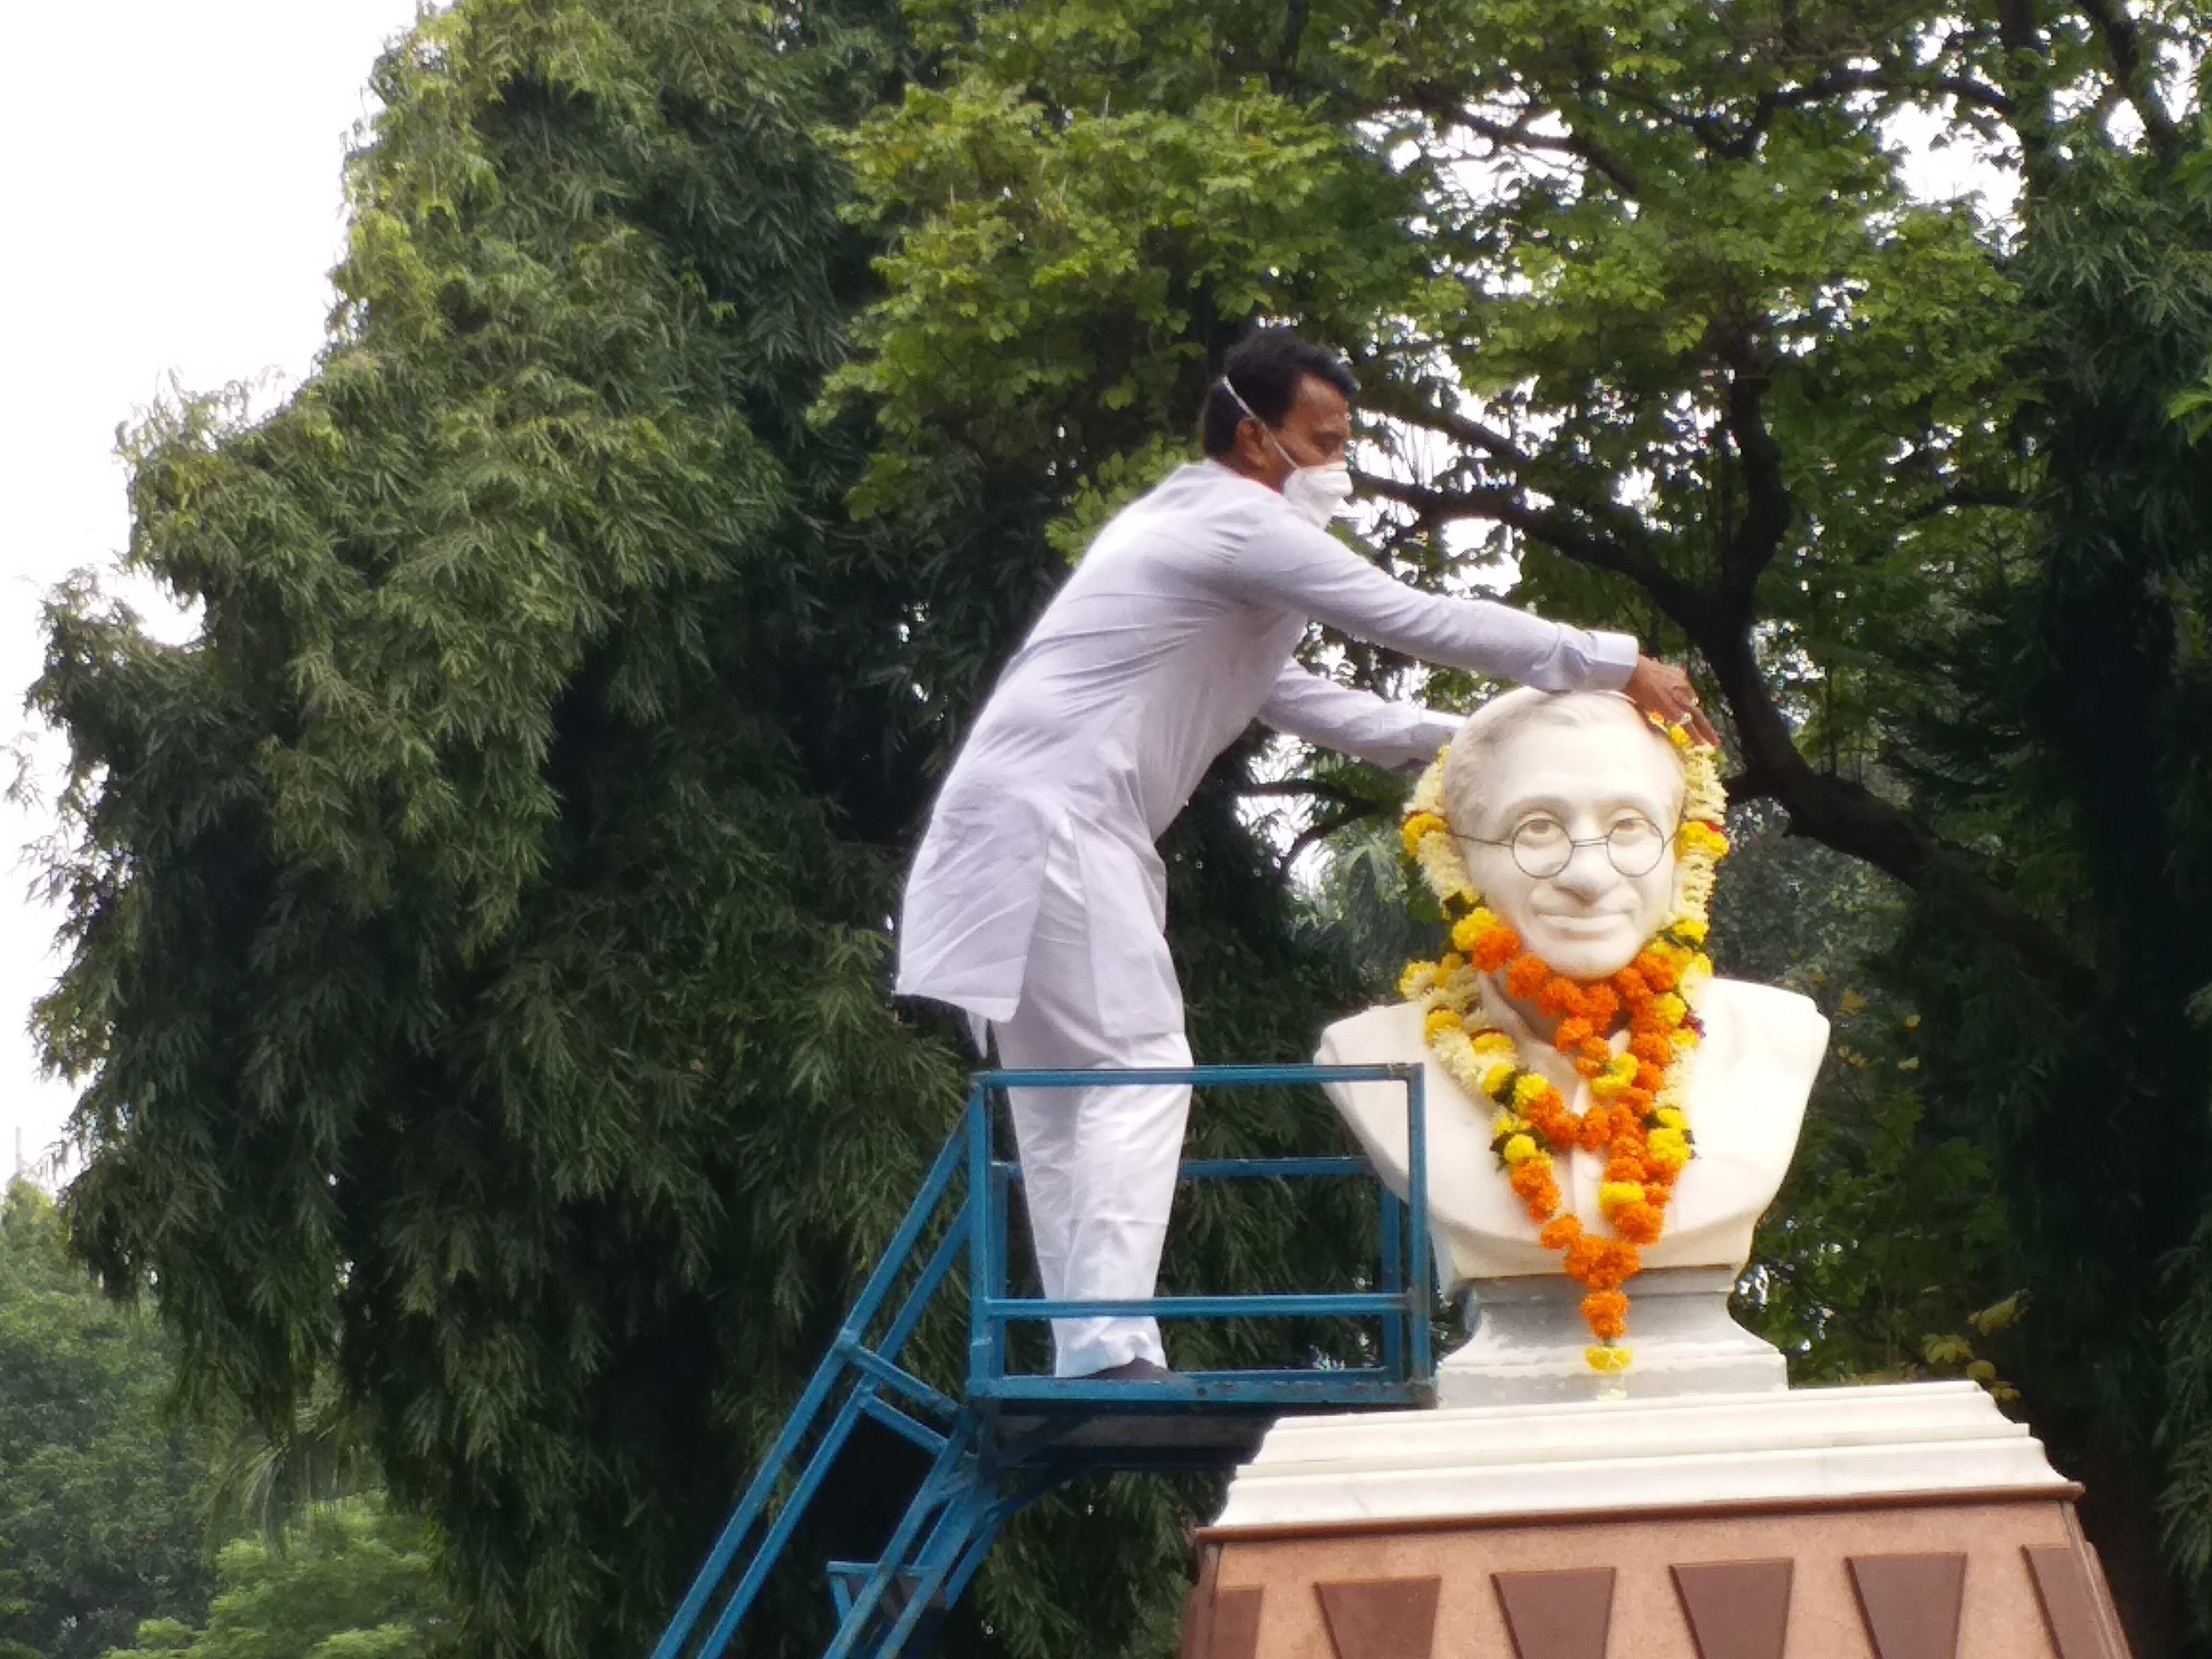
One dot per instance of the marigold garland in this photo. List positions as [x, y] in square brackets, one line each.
[1637, 1115]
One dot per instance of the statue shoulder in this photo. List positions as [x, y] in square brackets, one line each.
[1387, 1032]
[1789, 1026]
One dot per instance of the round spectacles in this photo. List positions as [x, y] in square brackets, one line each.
[1542, 848]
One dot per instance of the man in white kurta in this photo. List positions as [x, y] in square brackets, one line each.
[1037, 902]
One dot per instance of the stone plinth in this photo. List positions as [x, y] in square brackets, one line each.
[1526, 1337]
[1912, 1522]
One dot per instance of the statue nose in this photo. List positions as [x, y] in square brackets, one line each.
[1588, 871]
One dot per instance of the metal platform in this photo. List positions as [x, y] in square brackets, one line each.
[1008, 1437]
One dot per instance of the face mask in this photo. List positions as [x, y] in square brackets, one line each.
[1318, 492]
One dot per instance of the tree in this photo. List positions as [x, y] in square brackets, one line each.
[102, 1498]
[353, 1580]
[1648, 311]
[478, 936]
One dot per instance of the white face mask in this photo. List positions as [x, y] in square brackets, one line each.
[1318, 492]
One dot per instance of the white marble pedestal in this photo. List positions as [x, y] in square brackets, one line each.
[1905, 1521]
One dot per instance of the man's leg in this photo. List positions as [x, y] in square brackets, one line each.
[1099, 1170]
[1098, 1165]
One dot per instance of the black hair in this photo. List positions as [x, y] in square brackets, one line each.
[1265, 367]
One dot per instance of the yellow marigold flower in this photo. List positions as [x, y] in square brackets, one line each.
[1692, 928]
[1470, 930]
[1493, 1043]
[1418, 828]
[1606, 1084]
[1530, 1090]
[1497, 1078]
[1518, 1150]
[1611, 1358]
[1507, 1123]
[1451, 963]
[1623, 1065]
[1439, 1019]
[1672, 1158]
[1699, 840]
[1613, 1194]
[1670, 1117]
[1664, 1142]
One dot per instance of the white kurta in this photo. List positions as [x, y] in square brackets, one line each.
[1173, 634]
[1037, 902]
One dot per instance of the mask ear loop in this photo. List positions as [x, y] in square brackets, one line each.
[1238, 397]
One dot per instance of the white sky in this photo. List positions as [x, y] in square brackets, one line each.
[169, 180]
[171, 188]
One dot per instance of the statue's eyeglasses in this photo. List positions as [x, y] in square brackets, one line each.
[1541, 846]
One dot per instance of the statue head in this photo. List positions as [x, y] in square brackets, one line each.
[1565, 809]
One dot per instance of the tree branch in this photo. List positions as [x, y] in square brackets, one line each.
[1965, 496]
[1559, 530]
[2123, 45]
[1393, 397]
[1840, 83]
[1767, 508]
[1447, 110]
[1850, 818]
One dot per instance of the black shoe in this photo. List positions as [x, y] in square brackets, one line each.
[1134, 1371]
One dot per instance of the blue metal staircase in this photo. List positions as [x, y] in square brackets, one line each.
[1009, 1437]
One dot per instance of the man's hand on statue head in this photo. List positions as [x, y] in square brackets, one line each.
[1661, 690]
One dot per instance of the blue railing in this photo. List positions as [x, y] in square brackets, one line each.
[1405, 1368]
[1013, 1436]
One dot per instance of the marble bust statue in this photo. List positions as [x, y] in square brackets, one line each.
[1574, 787]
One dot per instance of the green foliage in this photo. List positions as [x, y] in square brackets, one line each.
[354, 1580]
[478, 928]
[101, 1499]
[479, 945]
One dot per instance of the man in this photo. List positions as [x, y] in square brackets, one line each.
[1037, 903]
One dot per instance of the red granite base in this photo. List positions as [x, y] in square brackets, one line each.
[1961, 1576]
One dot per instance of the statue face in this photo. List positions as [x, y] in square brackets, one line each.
[1587, 919]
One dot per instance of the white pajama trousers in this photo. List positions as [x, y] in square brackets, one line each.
[1098, 1165]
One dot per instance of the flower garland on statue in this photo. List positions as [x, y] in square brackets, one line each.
[1636, 1115]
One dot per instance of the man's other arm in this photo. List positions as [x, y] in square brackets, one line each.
[1397, 735]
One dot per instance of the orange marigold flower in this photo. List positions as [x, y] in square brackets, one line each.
[1526, 976]
[1600, 1002]
[1657, 971]
[1639, 1223]
[1652, 1047]
[1544, 1203]
[1631, 985]
[1623, 1168]
[1572, 1033]
[1603, 1264]
[1560, 1232]
[1495, 948]
[1592, 1056]
[1607, 1314]
[1594, 1130]
[1635, 1100]
[1650, 1077]
[1531, 1178]
[1559, 996]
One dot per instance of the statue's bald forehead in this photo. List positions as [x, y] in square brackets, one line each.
[1470, 781]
